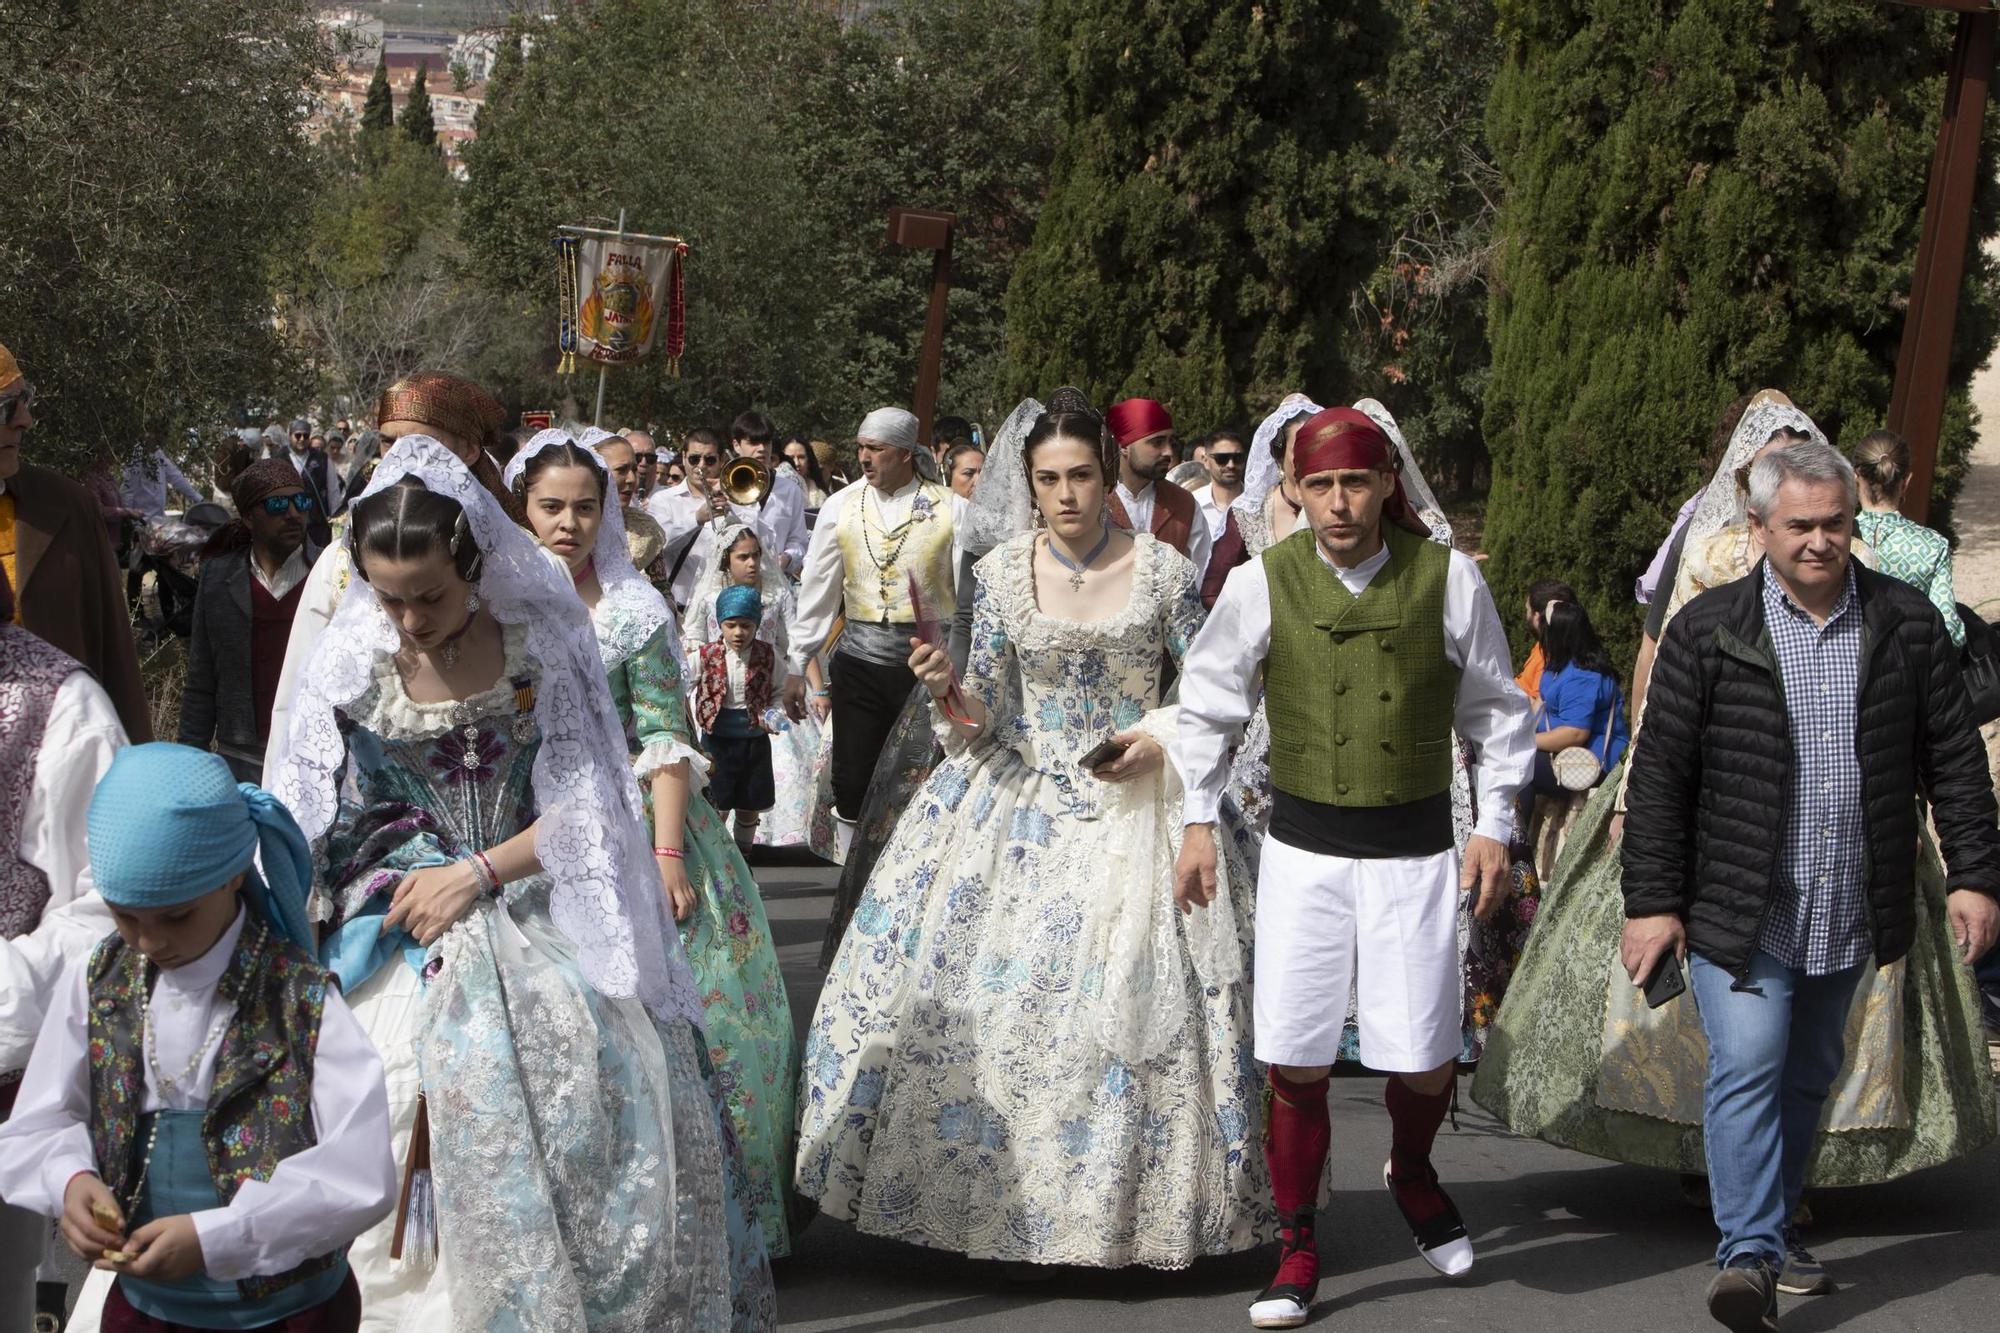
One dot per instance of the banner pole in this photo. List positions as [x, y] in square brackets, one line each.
[597, 417]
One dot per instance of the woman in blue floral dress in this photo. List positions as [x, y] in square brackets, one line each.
[746, 1016]
[1023, 1052]
[498, 928]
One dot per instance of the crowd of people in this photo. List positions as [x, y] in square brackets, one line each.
[423, 980]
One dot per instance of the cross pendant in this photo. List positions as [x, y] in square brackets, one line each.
[1076, 581]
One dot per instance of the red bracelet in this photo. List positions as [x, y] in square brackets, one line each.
[674, 852]
[492, 876]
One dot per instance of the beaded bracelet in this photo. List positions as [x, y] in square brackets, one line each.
[674, 852]
[484, 869]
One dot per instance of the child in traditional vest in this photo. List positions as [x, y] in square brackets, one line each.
[738, 681]
[202, 1113]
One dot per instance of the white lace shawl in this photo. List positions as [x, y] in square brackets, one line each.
[632, 609]
[1003, 504]
[771, 585]
[1260, 474]
[604, 892]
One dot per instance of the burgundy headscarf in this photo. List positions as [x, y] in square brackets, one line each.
[1135, 419]
[1342, 438]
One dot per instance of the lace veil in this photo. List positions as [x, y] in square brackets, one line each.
[1723, 504]
[1003, 504]
[770, 583]
[1415, 489]
[631, 610]
[604, 891]
[1260, 475]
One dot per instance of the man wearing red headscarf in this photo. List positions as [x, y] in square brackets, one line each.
[1144, 500]
[1374, 646]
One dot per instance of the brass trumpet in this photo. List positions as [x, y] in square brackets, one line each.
[745, 481]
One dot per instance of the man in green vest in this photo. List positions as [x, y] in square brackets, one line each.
[1374, 645]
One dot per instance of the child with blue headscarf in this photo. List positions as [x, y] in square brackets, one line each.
[737, 681]
[202, 1113]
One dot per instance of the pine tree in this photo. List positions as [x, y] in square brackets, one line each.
[418, 123]
[1701, 199]
[378, 111]
[1214, 203]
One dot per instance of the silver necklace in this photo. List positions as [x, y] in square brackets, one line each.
[1076, 567]
[171, 1085]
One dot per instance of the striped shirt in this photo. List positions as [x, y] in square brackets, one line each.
[1818, 921]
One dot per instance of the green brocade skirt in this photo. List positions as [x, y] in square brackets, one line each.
[1582, 1065]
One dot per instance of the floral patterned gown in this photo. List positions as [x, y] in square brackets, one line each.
[728, 940]
[577, 1157]
[1020, 1052]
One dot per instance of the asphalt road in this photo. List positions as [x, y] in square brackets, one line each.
[1566, 1242]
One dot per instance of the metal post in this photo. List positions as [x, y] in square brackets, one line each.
[603, 371]
[1923, 363]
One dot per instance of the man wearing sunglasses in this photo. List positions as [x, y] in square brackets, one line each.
[243, 611]
[1226, 457]
[67, 584]
[321, 481]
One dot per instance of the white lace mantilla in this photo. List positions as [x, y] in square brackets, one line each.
[604, 890]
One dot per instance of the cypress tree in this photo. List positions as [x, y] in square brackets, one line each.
[1701, 199]
[418, 123]
[1213, 205]
[378, 112]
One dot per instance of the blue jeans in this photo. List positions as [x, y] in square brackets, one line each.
[1775, 1045]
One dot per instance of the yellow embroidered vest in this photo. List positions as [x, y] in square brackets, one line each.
[878, 561]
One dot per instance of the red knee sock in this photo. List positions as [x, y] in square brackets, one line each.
[1296, 1137]
[1414, 1118]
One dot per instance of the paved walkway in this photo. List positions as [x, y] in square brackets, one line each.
[1568, 1244]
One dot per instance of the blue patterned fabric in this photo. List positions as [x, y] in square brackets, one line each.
[169, 823]
[739, 601]
[1819, 921]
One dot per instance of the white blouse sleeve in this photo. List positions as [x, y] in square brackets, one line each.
[1219, 687]
[1491, 713]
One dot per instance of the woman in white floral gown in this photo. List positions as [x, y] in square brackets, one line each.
[1022, 1051]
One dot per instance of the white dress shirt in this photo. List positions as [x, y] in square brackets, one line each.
[823, 581]
[1216, 513]
[79, 741]
[1139, 508]
[289, 575]
[736, 675]
[780, 524]
[315, 1201]
[1221, 680]
[145, 483]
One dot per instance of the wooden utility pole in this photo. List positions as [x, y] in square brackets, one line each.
[928, 229]
[1916, 405]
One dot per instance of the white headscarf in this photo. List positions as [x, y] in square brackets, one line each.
[635, 609]
[1260, 475]
[604, 891]
[892, 426]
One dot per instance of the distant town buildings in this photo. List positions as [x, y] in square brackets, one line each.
[456, 67]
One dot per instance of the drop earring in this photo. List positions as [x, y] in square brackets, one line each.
[471, 603]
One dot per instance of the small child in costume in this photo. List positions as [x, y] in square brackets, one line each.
[739, 678]
[202, 1113]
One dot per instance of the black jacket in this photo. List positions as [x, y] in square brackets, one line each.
[216, 701]
[1705, 830]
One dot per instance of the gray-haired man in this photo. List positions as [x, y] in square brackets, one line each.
[1818, 697]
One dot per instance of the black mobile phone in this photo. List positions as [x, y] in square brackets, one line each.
[1666, 982]
[1103, 753]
